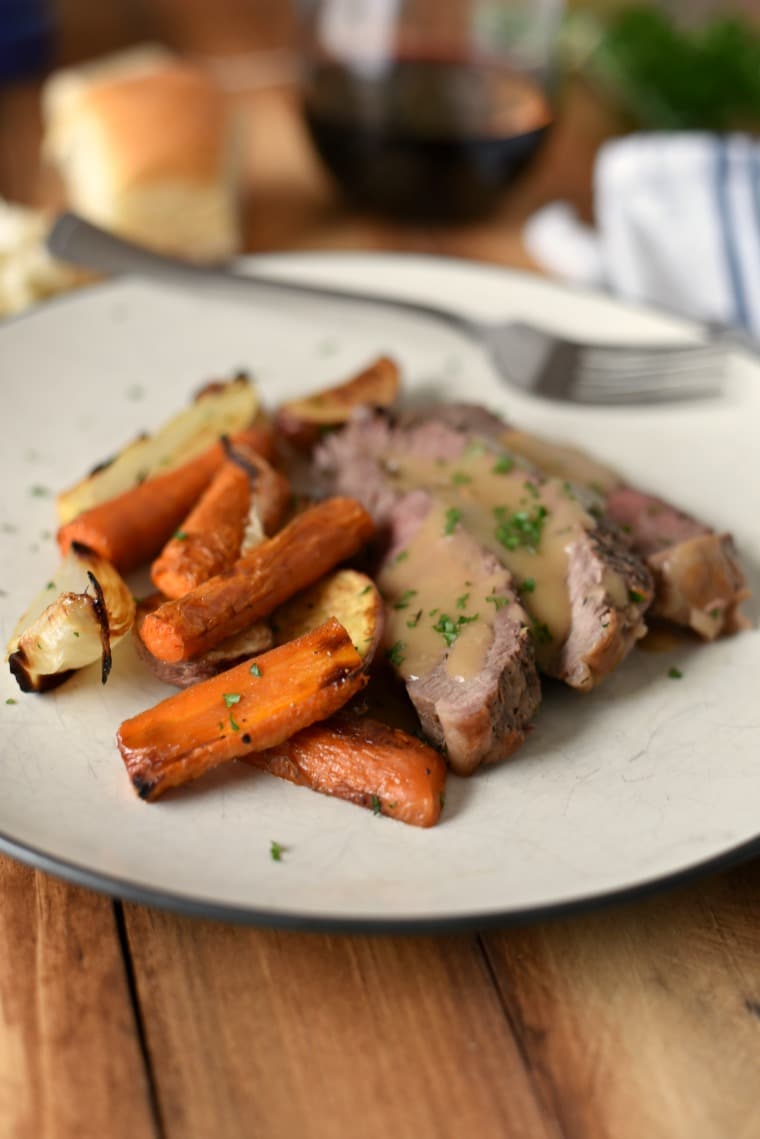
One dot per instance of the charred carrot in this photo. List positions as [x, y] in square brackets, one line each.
[245, 494]
[130, 529]
[256, 705]
[365, 762]
[298, 555]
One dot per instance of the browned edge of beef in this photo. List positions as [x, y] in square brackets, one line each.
[475, 721]
[699, 582]
[603, 629]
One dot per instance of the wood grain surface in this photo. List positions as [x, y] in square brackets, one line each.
[639, 1022]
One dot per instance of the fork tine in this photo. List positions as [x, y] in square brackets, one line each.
[651, 357]
[662, 379]
[611, 393]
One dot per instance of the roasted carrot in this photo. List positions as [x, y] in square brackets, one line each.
[301, 421]
[245, 494]
[365, 762]
[258, 704]
[130, 529]
[298, 555]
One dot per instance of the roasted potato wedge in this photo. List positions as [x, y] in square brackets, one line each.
[77, 618]
[182, 673]
[349, 596]
[219, 409]
[302, 421]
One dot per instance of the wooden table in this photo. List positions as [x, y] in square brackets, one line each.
[639, 1022]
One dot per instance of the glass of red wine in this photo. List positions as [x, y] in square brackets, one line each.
[428, 109]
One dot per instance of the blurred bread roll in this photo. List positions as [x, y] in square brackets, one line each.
[145, 146]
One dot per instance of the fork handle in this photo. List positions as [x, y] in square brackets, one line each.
[79, 242]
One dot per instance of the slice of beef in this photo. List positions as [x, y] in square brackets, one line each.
[608, 586]
[470, 418]
[483, 718]
[699, 582]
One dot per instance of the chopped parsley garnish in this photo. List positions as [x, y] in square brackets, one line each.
[180, 535]
[376, 805]
[522, 528]
[39, 491]
[395, 653]
[235, 726]
[50, 585]
[462, 601]
[475, 447]
[541, 632]
[76, 633]
[254, 669]
[527, 585]
[365, 590]
[404, 599]
[568, 489]
[432, 612]
[531, 488]
[414, 621]
[449, 628]
[635, 596]
[452, 518]
[459, 478]
[499, 602]
[10, 700]
[714, 613]
[675, 673]
[276, 851]
[231, 698]
[502, 466]
[400, 557]
[442, 797]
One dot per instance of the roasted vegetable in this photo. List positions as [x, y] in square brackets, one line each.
[313, 543]
[220, 409]
[351, 597]
[182, 673]
[302, 421]
[365, 762]
[76, 619]
[256, 705]
[245, 501]
[130, 529]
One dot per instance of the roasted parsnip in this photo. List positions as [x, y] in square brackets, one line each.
[302, 421]
[219, 409]
[351, 597]
[130, 529]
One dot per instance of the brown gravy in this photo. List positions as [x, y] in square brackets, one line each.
[529, 522]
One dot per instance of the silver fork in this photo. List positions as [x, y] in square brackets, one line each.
[527, 357]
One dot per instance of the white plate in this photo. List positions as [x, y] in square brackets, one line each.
[645, 780]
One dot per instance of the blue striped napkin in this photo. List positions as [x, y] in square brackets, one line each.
[677, 224]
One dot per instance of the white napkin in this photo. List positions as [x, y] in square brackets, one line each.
[677, 225]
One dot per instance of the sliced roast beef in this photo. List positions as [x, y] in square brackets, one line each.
[584, 589]
[457, 635]
[470, 418]
[698, 579]
[699, 582]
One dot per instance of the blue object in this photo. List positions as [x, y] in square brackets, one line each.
[26, 38]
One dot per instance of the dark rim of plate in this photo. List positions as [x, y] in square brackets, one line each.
[330, 923]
